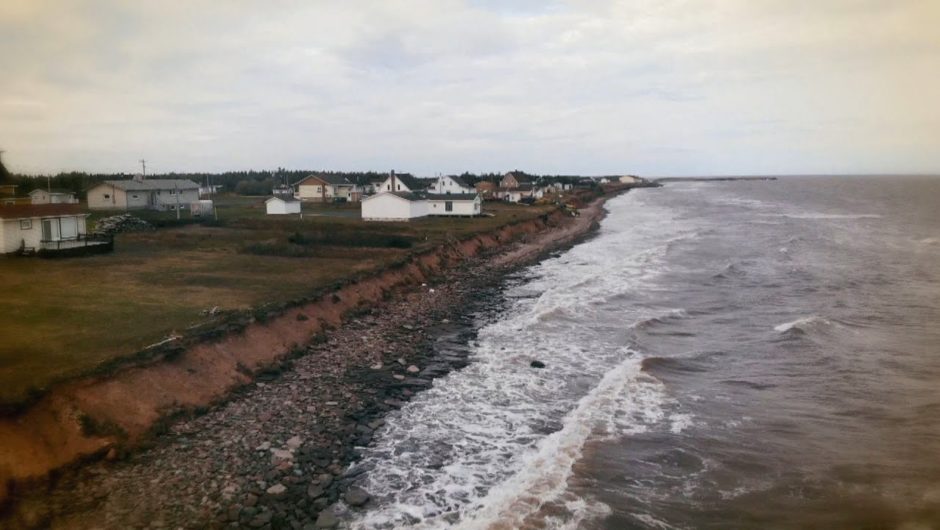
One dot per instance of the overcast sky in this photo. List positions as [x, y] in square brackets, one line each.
[653, 87]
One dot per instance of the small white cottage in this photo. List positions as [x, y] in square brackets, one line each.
[35, 227]
[394, 206]
[456, 204]
[52, 197]
[280, 206]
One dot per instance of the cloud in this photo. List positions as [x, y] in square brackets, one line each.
[588, 86]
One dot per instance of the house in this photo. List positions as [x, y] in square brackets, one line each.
[451, 184]
[394, 206]
[327, 188]
[630, 179]
[367, 184]
[52, 197]
[283, 191]
[457, 204]
[280, 206]
[140, 193]
[514, 179]
[209, 189]
[401, 182]
[8, 195]
[517, 194]
[486, 188]
[46, 229]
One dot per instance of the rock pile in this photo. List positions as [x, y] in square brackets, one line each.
[117, 224]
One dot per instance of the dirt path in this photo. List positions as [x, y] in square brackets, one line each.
[274, 456]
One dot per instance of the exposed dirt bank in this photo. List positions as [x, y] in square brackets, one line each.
[95, 417]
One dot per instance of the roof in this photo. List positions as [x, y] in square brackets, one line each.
[459, 180]
[452, 196]
[410, 181]
[26, 211]
[53, 191]
[331, 179]
[400, 194]
[269, 199]
[152, 184]
[519, 176]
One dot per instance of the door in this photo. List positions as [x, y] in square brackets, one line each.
[47, 229]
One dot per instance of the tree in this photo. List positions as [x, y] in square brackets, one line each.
[4, 174]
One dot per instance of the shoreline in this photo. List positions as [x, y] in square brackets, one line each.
[274, 452]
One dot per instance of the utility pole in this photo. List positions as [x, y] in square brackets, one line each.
[176, 189]
[143, 165]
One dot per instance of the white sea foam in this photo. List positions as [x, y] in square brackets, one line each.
[801, 323]
[830, 216]
[497, 440]
[679, 423]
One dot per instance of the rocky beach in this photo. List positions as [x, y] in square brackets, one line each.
[279, 452]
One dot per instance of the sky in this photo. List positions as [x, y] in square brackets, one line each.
[648, 87]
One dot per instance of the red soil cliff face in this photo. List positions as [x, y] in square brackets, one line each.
[49, 435]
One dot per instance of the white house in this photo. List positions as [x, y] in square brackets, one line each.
[37, 227]
[517, 194]
[404, 183]
[394, 206]
[451, 184]
[458, 204]
[139, 193]
[209, 189]
[327, 188]
[52, 197]
[630, 179]
[279, 206]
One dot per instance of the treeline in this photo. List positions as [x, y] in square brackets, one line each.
[249, 182]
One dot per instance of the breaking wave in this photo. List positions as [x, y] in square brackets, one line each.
[803, 325]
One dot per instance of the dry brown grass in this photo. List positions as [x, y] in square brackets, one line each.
[61, 318]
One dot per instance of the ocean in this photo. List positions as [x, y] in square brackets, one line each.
[746, 354]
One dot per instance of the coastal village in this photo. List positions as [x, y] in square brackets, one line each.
[53, 221]
[226, 284]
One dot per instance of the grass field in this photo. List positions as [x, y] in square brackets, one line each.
[64, 317]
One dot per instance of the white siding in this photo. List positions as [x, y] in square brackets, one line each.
[14, 235]
[448, 185]
[166, 199]
[462, 207]
[106, 197]
[275, 206]
[390, 207]
[313, 192]
[399, 185]
[17, 232]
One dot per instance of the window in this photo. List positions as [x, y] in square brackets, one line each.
[26, 224]
[448, 206]
[134, 196]
[107, 196]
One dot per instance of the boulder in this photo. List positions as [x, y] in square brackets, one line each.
[356, 496]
